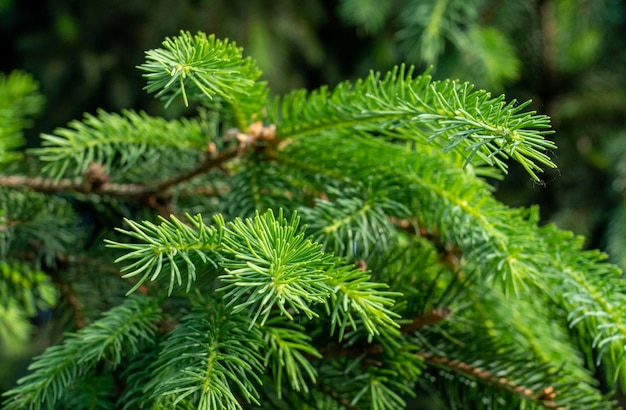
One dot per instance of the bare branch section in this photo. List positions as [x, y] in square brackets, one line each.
[96, 181]
[204, 167]
[49, 186]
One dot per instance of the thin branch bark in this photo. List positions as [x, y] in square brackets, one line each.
[205, 166]
[429, 318]
[46, 185]
[545, 397]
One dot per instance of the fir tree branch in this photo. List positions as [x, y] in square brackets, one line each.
[399, 106]
[378, 392]
[53, 186]
[352, 222]
[495, 365]
[271, 258]
[168, 245]
[40, 227]
[121, 331]
[288, 351]
[594, 300]
[355, 293]
[259, 184]
[447, 201]
[96, 390]
[268, 265]
[436, 22]
[206, 360]
[137, 374]
[207, 69]
[382, 190]
[117, 141]
[373, 382]
[343, 401]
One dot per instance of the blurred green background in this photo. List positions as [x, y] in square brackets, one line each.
[568, 56]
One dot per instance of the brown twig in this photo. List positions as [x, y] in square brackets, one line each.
[50, 186]
[72, 299]
[545, 397]
[428, 318]
[154, 195]
[205, 166]
[79, 185]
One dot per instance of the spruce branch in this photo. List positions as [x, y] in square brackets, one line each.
[491, 55]
[366, 383]
[546, 396]
[351, 223]
[148, 192]
[268, 264]
[121, 331]
[289, 349]
[393, 288]
[370, 14]
[213, 66]
[210, 357]
[426, 25]
[68, 185]
[116, 141]
[137, 374]
[205, 68]
[594, 300]
[94, 390]
[272, 264]
[338, 401]
[445, 200]
[168, 246]
[400, 106]
[379, 391]
[355, 293]
[259, 184]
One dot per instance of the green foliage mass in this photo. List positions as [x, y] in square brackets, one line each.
[339, 248]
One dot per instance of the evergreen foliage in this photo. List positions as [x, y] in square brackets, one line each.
[19, 101]
[336, 249]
